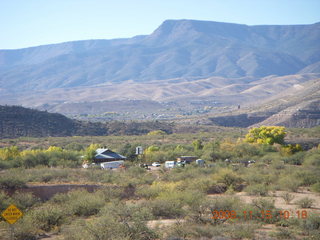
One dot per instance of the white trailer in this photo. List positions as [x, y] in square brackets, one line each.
[170, 164]
[111, 165]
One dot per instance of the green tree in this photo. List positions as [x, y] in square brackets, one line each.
[90, 152]
[266, 135]
[197, 145]
[151, 149]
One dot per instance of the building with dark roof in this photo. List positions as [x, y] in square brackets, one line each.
[106, 155]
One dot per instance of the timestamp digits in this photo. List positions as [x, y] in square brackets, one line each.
[263, 214]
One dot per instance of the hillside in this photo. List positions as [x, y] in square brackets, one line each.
[186, 49]
[299, 107]
[16, 121]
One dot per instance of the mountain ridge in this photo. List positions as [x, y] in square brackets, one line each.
[176, 49]
[184, 67]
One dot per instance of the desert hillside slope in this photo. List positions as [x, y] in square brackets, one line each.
[17, 121]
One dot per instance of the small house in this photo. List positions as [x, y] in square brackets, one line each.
[106, 155]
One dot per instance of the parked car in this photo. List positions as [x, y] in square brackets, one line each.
[145, 166]
[156, 164]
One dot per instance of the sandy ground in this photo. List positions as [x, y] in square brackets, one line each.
[281, 204]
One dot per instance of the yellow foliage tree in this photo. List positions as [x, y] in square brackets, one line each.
[156, 132]
[290, 149]
[9, 152]
[266, 135]
[54, 149]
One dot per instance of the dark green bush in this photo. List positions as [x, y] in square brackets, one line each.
[83, 203]
[166, 208]
[5, 200]
[312, 222]
[295, 159]
[12, 182]
[47, 216]
[23, 200]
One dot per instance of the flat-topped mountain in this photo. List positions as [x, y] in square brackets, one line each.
[183, 49]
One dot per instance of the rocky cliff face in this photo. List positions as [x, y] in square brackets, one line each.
[304, 115]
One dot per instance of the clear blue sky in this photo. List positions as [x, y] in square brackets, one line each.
[25, 23]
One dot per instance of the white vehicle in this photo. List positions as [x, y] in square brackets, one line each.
[170, 164]
[111, 165]
[156, 164]
[200, 162]
[88, 165]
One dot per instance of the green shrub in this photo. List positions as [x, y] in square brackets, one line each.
[228, 177]
[82, 203]
[305, 202]
[295, 159]
[283, 233]
[205, 185]
[74, 146]
[242, 231]
[312, 222]
[47, 216]
[117, 221]
[166, 208]
[9, 181]
[5, 201]
[98, 175]
[226, 203]
[25, 229]
[307, 177]
[257, 190]
[24, 200]
[287, 197]
[216, 188]
[269, 215]
[316, 187]
[290, 183]
[312, 158]
[45, 174]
